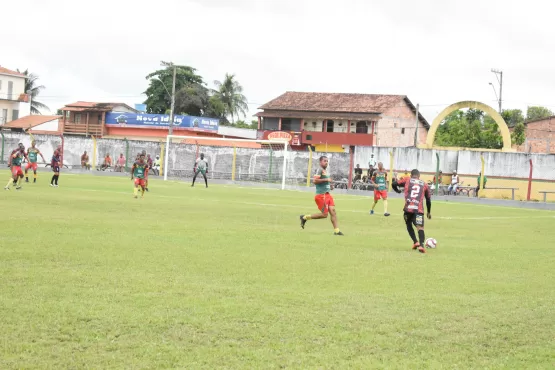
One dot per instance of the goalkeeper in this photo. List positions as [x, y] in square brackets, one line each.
[201, 166]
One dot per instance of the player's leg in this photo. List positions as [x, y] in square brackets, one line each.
[57, 175]
[136, 188]
[384, 197]
[20, 177]
[320, 200]
[408, 222]
[146, 182]
[205, 178]
[419, 223]
[333, 214]
[195, 177]
[26, 172]
[12, 180]
[35, 166]
[377, 195]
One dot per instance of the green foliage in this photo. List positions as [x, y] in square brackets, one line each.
[519, 134]
[534, 113]
[243, 124]
[230, 93]
[512, 117]
[35, 89]
[470, 129]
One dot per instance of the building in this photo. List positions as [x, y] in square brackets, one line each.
[36, 124]
[540, 136]
[335, 121]
[14, 102]
[89, 118]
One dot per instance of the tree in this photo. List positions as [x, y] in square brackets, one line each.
[243, 124]
[470, 129]
[191, 95]
[519, 134]
[535, 113]
[512, 117]
[230, 93]
[34, 90]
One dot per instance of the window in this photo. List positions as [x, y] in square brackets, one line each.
[395, 125]
[10, 90]
[403, 131]
[329, 125]
[362, 127]
[68, 113]
[100, 118]
[15, 114]
[0, 84]
[77, 117]
[4, 116]
[286, 125]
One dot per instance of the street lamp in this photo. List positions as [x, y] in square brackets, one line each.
[170, 64]
[499, 75]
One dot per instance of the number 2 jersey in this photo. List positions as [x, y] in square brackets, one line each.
[416, 191]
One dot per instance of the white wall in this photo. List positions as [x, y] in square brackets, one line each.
[18, 86]
[122, 108]
[237, 132]
[47, 126]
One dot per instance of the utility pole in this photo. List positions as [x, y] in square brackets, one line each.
[416, 132]
[499, 75]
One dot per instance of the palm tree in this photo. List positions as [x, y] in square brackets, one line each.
[34, 90]
[230, 93]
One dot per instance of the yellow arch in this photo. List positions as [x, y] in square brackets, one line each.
[474, 105]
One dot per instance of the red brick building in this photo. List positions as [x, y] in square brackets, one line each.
[337, 121]
[540, 136]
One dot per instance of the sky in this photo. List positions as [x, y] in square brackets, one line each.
[436, 52]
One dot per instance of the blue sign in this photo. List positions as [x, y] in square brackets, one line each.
[161, 121]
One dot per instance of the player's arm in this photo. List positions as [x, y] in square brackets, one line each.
[132, 170]
[318, 180]
[428, 197]
[396, 185]
[44, 160]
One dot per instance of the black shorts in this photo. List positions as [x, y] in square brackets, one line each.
[55, 169]
[417, 219]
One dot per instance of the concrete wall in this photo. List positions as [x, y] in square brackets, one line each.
[540, 137]
[390, 128]
[502, 169]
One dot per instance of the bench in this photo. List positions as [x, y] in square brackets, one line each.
[502, 188]
[545, 192]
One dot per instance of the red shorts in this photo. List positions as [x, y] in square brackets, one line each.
[16, 171]
[380, 194]
[140, 182]
[324, 202]
[31, 165]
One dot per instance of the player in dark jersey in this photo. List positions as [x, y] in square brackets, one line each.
[149, 163]
[56, 164]
[14, 163]
[201, 166]
[138, 173]
[32, 154]
[415, 191]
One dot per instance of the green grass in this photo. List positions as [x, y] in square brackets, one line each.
[225, 278]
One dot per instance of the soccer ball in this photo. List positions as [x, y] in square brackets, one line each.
[431, 243]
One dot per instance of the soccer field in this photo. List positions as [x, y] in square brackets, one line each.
[224, 277]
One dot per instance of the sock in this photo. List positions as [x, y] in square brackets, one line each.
[135, 191]
[374, 206]
[411, 233]
[206, 181]
[52, 181]
[307, 217]
[142, 192]
[26, 177]
[421, 237]
[10, 181]
[19, 181]
[336, 230]
[35, 176]
[56, 179]
[385, 205]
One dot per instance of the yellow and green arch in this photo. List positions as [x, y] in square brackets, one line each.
[505, 133]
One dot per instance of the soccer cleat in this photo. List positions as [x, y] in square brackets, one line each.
[415, 246]
[338, 233]
[34, 181]
[386, 214]
[26, 180]
[6, 188]
[146, 189]
[303, 221]
[135, 196]
[421, 250]
[371, 211]
[18, 187]
[51, 185]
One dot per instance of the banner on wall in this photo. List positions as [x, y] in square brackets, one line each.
[161, 121]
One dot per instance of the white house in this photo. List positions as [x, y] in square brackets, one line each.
[14, 102]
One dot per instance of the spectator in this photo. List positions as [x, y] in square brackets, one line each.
[485, 182]
[437, 182]
[372, 162]
[454, 183]
[85, 161]
[156, 167]
[107, 162]
[358, 173]
[120, 164]
[371, 171]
